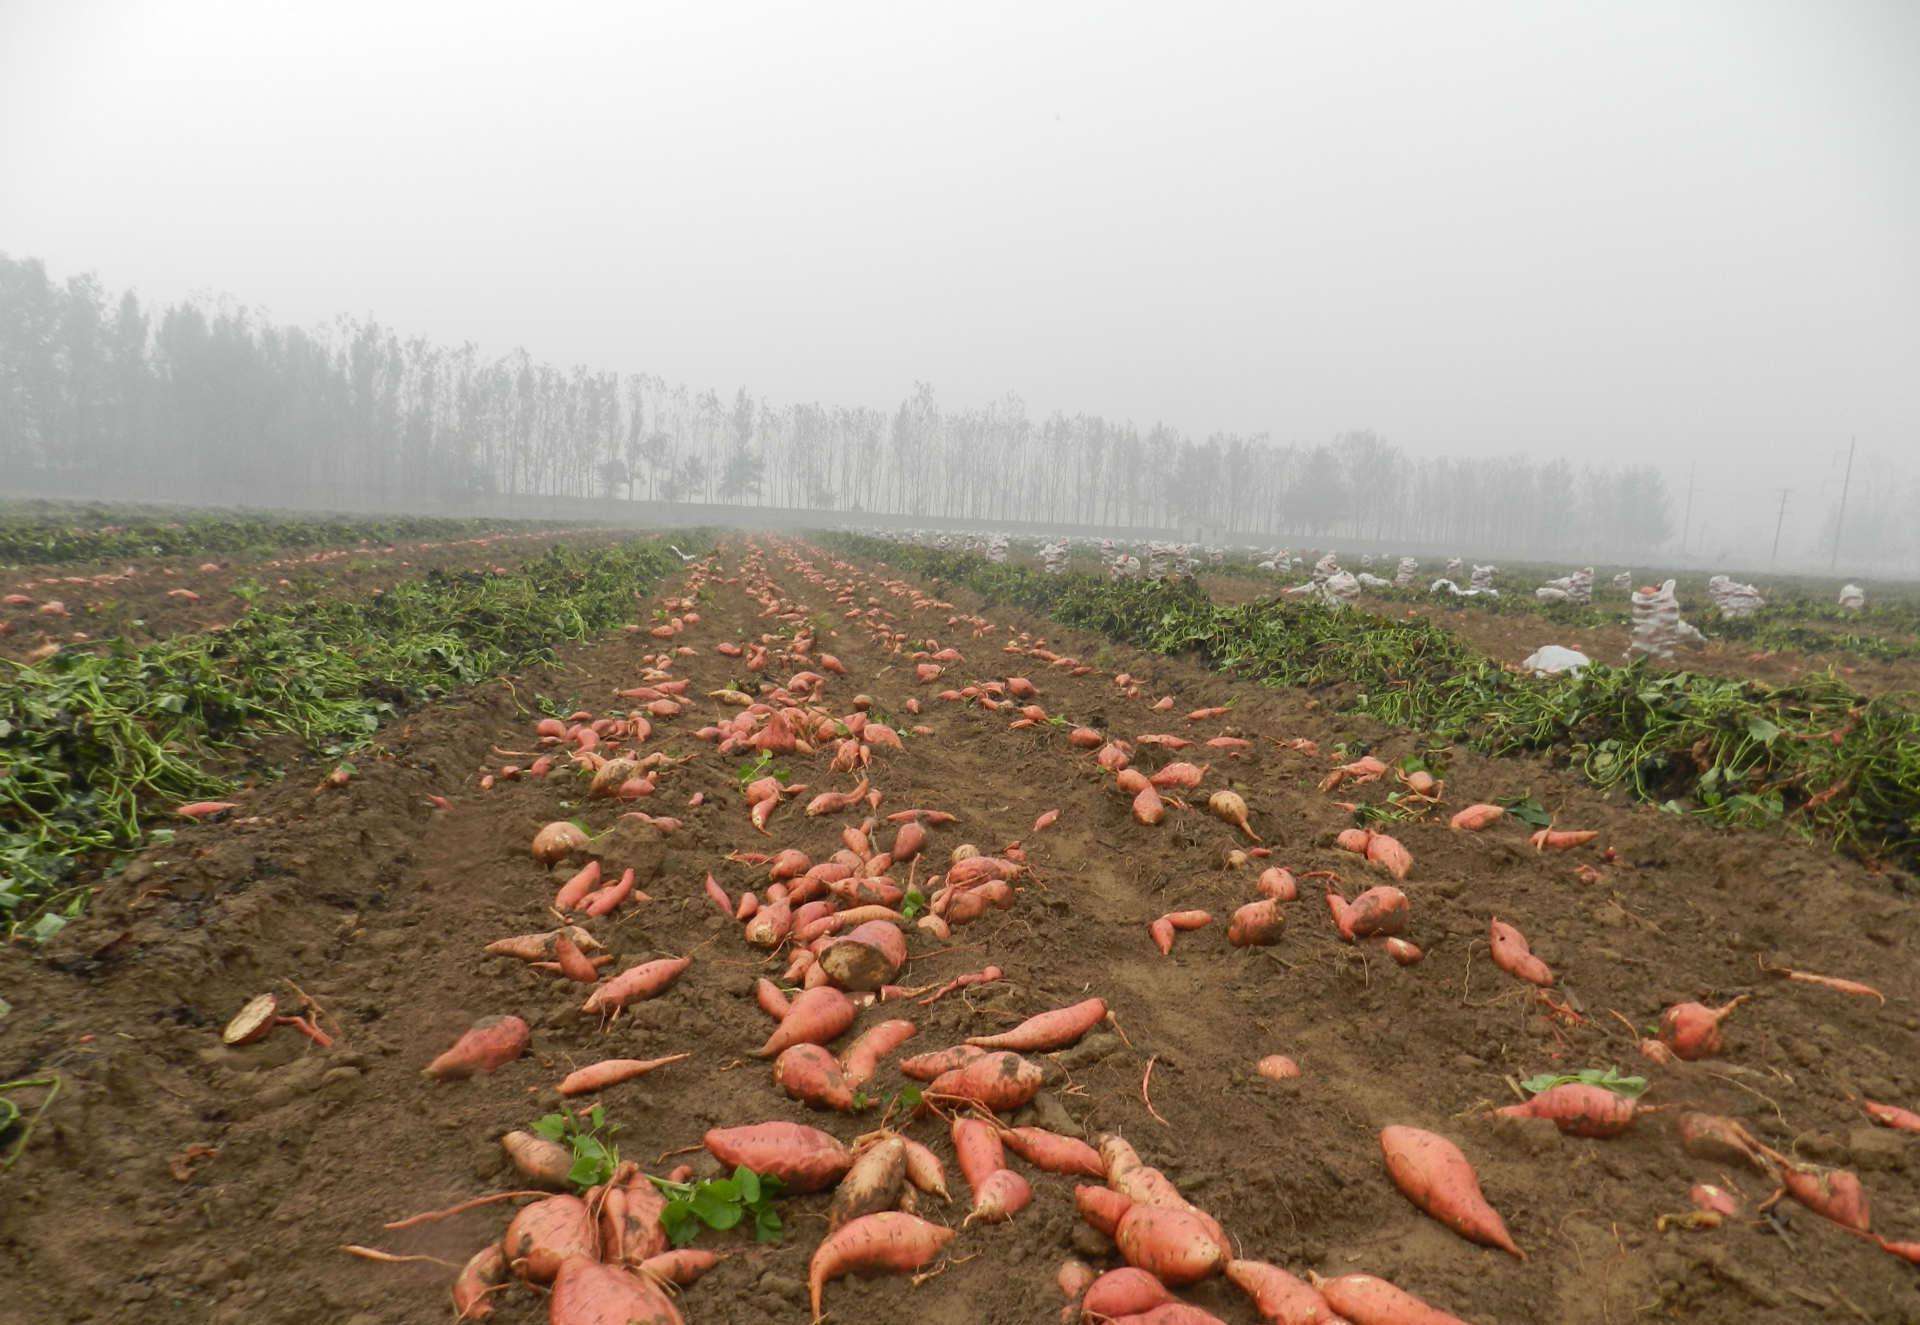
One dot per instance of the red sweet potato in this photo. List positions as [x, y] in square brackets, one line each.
[1435, 1176]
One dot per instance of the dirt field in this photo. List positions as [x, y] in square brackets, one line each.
[378, 906]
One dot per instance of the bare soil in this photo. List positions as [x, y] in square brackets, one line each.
[378, 906]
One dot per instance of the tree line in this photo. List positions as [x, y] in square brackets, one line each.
[202, 401]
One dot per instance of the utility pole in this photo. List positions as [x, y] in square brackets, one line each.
[1781, 520]
[1840, 519]
[1686, 522]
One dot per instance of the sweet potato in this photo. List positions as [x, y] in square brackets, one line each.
[1257, 924]
[888, 1240]
[820, 1014]
[1892, 1115]
[575, 889]
[630, 1228]
[1365, 1300]
[1435, 1176]
[999, 1081]
[1834, 1193]
[1171, 1313]
[1377, 911]
[491, 1042]
[999, 1198]
[872, 1184]
[805, 1158]
[1710, 1199]
[557, 841]
[1692, 1030]
[573, 963]
[868, 957]
[1718, 1140]
[1175, 1246]
[539, 947]
[1577, 1109]
[863, 1057]
[1278, 883]
[545, 1234]
[1051, 1152]
[1280, 1298]
[924, 1169]
[1560, 839]
[538, 1160]
[1277, 1067]
[1229, 807]
[1074, 1277]
[771, 997]
[977, 1148]
[1402, 952]
[1101, 1207]
[1123, 1292]
[769, 925]
[1048, 1030]
[1512, 954]
[636, 982]
[681, 1267]
[812, 1075]
[589, 1293]
[1476, 817]
[928, 1066]
[484, 1271]
[603, 902]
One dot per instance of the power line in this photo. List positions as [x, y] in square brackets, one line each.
[1779, 521]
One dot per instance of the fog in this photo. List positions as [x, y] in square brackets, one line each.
[1680, 237]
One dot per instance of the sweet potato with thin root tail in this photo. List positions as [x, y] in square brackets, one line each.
[646, 980]
[1163, 929]
[977, 1148]
[1833, 1193]
[864, 1056]
[1280, 1298]
[1435, 1176]
[1718, 1140]
[812, 1075]
[545, 1234]
[611, 1072]
[491, 1042]
[1512, 954]
[772, 998]
[1175, 1246]
[483, 1273]
[589, 1293]
[1365, 1300]
[573, 963]
[1476, 817]
[1124, 1292]
[1148, 807]
[805, 1158]
[1048, 1030]
[1230, 807]
[1101, 1207]
[1692, 1030]
[1050, 1152]
[1578, 1109]
[1142, 1183]
[1278, 884]
[1001, 1082]
[872, 1184]
[1003, 1195]
[818, 1015]
[888, 1240]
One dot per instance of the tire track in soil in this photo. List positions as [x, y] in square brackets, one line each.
[380, 908]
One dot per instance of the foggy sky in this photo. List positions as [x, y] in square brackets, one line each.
[1662, 230]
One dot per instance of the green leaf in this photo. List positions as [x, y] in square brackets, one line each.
[1529, 811]
[715, 1212]
[1761, 730]
[552, 1127]
[1607, 1078]
[747, 1182]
